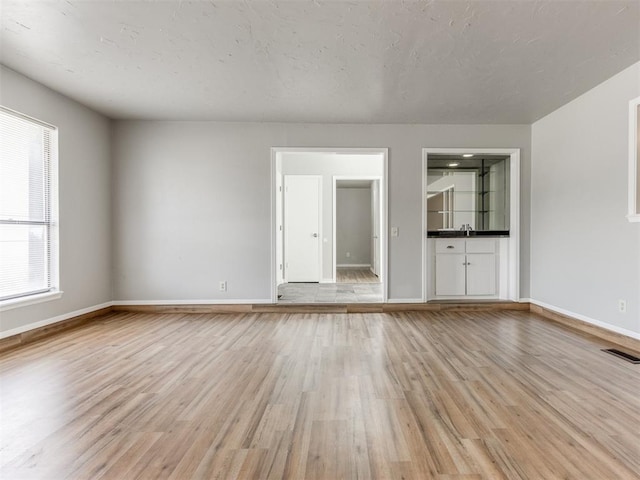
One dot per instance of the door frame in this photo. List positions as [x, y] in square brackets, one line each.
[276, 155]
[513, 271]
[382, 238]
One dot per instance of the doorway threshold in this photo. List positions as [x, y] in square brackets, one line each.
[330, 293]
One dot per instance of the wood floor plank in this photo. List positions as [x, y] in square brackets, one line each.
[442, 394]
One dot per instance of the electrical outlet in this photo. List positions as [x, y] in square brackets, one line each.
[622, 306]
[223, 286]
[395, 231]
[348, 254]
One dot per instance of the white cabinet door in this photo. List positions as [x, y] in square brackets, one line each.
[450, 274]
[481, 274]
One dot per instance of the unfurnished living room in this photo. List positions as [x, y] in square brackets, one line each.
[320, 239]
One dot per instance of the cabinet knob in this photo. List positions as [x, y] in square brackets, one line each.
[450, 246]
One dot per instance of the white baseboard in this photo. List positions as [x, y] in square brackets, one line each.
[50, 321]
[405, 300]
[353, 265]
[230, 301]
[584, 318]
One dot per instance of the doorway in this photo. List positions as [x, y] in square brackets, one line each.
[296, 172]
[357, 238]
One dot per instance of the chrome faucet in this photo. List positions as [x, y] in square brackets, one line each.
[466, 228]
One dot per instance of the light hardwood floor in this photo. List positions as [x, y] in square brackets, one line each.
[446, 395]
[355, 275]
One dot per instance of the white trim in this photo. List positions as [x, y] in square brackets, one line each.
[525, 300]
[354, 265]
[50, 321]
[404, 300]
[384, 190]
[339, 150]
[27, 118]
[514, 214]
[584, 318]
[231, 301]
[467, 297]
[29, 300]
[633, 215]
[274, 228]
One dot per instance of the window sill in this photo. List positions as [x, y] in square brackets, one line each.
[30, 300]
[633, 218]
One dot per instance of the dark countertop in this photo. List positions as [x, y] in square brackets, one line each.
[463, 234]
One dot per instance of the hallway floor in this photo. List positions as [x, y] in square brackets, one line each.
[355, 285]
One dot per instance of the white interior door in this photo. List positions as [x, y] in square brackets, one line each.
[302, 210]
[279, 229]
[375, 223]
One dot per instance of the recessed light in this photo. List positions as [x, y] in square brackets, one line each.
[452, 164]
[467, 155]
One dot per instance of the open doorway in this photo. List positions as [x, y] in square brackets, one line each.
[309, 247]
[357, 236]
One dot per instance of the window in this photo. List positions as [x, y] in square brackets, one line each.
[28, 209]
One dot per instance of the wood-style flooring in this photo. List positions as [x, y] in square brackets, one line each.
[355, 275]
[413, 395]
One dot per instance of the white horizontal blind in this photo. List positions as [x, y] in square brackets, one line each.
[26, 154]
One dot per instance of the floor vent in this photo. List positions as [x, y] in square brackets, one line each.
[624, 355]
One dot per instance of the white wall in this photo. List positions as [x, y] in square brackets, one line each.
[585, 255]
[85, 189]
[353, 226]
[192, 201]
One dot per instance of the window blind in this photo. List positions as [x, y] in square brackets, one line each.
[27, 159]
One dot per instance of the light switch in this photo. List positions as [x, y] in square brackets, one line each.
[394, 231]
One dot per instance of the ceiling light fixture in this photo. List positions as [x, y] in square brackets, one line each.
[453, 164]
[467, 155]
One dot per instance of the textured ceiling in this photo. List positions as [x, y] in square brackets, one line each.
[321, 61]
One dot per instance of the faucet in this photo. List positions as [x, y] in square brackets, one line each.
[466, 228]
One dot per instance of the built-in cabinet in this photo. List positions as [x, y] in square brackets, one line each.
[471, 224]
[466, 267]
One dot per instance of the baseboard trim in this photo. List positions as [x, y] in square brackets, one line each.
[38, 330]
[233, 301]
[353, 265]
[575, 321]
[405, 300]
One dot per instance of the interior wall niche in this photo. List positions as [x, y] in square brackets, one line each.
[471, 193]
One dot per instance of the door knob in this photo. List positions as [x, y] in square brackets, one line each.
[314, 235]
